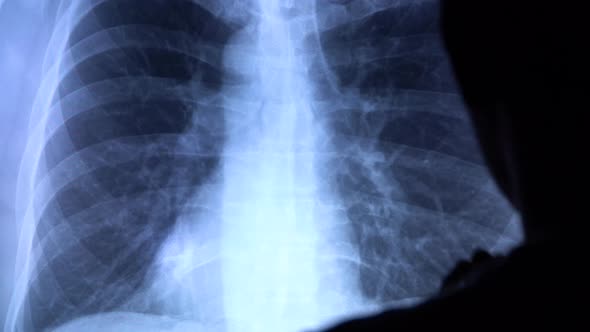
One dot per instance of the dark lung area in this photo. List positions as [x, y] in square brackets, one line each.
[178, 15]
[432, 132]
[408, 166]
[393, 49]
[117, 180]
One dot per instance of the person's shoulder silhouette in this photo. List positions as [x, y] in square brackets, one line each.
[522, 69]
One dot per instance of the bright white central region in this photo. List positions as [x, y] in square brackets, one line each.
[272, 269]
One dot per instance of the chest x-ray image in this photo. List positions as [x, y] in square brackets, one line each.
[232, 165]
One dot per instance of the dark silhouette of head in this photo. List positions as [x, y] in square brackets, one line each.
[520, 68]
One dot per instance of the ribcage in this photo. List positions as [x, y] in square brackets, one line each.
[402, 156]
[233, 164]
[134, 130]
